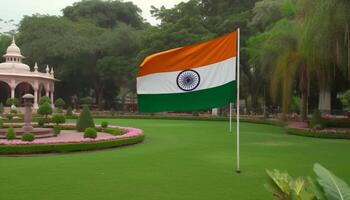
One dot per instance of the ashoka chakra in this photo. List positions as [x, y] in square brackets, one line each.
[188, 80]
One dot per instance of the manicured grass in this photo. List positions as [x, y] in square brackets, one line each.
[179, 160]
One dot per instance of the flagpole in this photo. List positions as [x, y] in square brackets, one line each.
[238, 170]
[230, 117]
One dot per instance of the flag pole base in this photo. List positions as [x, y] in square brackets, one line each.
[238, 171]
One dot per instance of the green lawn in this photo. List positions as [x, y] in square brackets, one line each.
[180, 160]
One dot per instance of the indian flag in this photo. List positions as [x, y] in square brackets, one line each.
[196, 77]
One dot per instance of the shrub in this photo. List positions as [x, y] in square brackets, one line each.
[44, 99]
[316, 119]
[1, 108]
[13, 111]
[58, 119]
[85, 119]
[12, 101]
[104, 124]
[69, 111]
[90, 133]
[11, 133]
[112, 111]
[45, 109]
[60, 103]
[56, 130]
[28, 137]
[43, 121]
[9, 116]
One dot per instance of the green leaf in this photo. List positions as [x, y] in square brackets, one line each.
[334, 187]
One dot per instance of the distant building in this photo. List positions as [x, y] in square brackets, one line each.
[16, 78]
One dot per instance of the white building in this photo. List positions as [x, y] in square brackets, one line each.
[16, 78]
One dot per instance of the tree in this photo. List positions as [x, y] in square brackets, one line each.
[85, 120]
[45, 109]
[44, 99]
[60, 103]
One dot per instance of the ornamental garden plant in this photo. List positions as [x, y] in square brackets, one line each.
[11, 134]
[29, 137]
[85, 120]
[90, 133]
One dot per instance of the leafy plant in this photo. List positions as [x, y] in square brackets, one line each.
[45, 109]
[60, 103]
[12, 101]
[104, 124]
[9, 116]
[327, 186]
[11, 133]
[56, 130]
[316, 119]
[85, 119]
[28, 137]
[43, 100]
[69, 111]
[90, 133]
[43, 121]
[58, 119]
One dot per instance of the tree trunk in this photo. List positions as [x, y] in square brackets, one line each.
[303, 86]
[324, 101]
[99, 97]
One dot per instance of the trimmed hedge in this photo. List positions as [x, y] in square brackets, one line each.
[339, 123]
[69, 147]
[318, 134]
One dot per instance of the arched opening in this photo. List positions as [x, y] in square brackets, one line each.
[5, 92]
[42, 91]
[22, 89]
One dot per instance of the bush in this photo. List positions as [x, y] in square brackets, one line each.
[113, 131]
[316, 119]
[58, 119]
[45, 109]
[11, 133]
[60, 103]
[28, 137]
[9, 116]
[85, 120]
[13, 111]
[69, 111]
[56, 130]
[43, 121]
[90, 133]
[44, 99]
[12, 101]
[1, 108]
[104, 124]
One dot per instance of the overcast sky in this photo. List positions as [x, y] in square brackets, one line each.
[16, 9]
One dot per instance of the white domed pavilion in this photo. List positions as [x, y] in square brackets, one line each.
[16, 78]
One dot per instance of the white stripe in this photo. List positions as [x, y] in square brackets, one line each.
[213, 75]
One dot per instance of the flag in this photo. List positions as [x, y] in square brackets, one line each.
[190, 78]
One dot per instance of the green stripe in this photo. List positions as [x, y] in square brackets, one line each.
[188, 101]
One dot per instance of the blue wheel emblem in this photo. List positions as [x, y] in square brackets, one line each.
[188, 80]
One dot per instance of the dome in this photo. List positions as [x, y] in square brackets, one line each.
[13, 50]
[16, 67]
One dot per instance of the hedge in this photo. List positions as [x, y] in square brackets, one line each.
[339, 123]
[318, 134]
[68, 147]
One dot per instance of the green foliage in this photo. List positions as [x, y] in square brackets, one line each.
[58, 118]
[11, 133]
[9, 116]
[86, 101]
[56, 130]
[90, 133]
[1, 108]
[328, 186]
[113, 131]
[43, 121]
[60, 103]
[69, 111]
[316, 119]
[345, 99]
[12, 101]
[319, 134]
[13, 111]
[283, 186]
[85, 120]
[332, 187]
[29, 137]
[104, 124]
[45, 109]
[43, 100]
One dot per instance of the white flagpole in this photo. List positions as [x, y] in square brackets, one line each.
[230, 117]
[238, 170]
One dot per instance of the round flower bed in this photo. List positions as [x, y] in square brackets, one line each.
[113, 136]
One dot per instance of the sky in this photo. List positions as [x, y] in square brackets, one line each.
[16, 9]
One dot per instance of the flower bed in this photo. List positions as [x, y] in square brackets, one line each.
[131, 136]
[301, 128]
